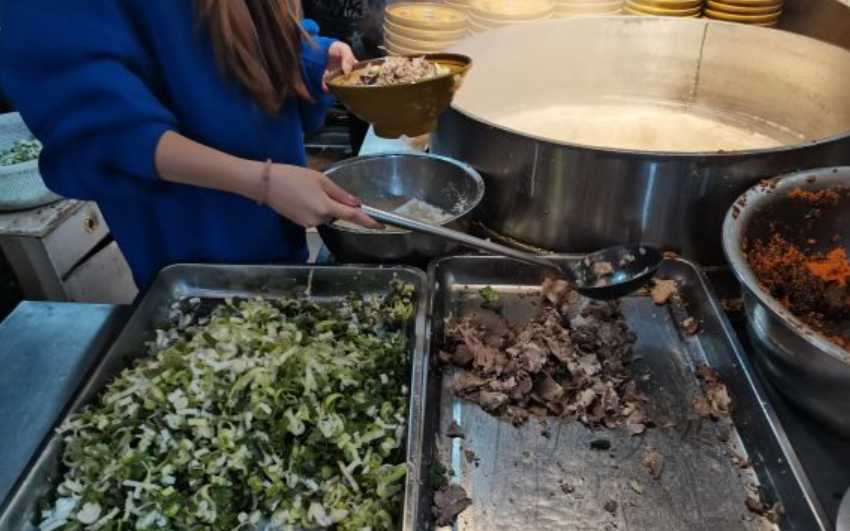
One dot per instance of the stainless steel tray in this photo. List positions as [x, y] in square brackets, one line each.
[324, 284]
[517, 481]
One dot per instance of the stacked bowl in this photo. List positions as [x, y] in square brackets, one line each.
[755, 12]
[573, 8]
[463, 5]
[413, 28]
[664, 8]
[489, 14]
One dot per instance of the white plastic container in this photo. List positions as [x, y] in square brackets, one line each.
[21, 186]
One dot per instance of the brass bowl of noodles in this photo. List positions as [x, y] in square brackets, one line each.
[401, 95]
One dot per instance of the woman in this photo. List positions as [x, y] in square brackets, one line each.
[165, 111]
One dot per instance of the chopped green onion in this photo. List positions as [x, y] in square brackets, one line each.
[21, 151]
[275, 412]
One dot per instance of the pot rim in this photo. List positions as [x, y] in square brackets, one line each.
[714, 155]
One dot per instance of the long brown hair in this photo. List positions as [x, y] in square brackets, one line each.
[259, 43]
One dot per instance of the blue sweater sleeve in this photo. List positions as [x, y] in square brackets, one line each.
[70, 68]
[314, 61]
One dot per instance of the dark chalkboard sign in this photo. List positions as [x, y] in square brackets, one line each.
[357, 22]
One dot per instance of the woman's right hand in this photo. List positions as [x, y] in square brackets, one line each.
[309, 198]
[304, 196]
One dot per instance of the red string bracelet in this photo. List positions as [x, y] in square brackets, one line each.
[264, 182]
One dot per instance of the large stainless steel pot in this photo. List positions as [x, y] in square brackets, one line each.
[561, 195]
[806, 367]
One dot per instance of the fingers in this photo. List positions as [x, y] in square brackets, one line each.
[341, 59]
[348, 61]
[354, 215]
[342, 56]
[338, 194]
[329, 74]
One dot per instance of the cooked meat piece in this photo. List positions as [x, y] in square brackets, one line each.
[701, 407]
[756, 505]
[602, 269]
[466, 381]
[590, 365]
[690, 326]
[717, 403]
[548, 389]
[553, 290]
[491, 401]
[636, 422]
[654, 462]
[531, 355]
[449, 501]
[718, 398]
[663, 290]
[516, 415]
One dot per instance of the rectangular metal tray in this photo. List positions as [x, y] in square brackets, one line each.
[517, 481]
[323, 284]
[818, 448]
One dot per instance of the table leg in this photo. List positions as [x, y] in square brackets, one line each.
[33, 268]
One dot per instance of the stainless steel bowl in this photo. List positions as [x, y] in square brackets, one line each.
[810, 370]
[386, 181]
[622, 77]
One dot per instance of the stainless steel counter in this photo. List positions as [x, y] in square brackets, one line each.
[46, 350]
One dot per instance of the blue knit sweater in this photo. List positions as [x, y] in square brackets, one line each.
[100, 81]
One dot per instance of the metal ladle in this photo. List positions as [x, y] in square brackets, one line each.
[631, 266]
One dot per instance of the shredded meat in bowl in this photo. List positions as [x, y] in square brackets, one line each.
[397, 71]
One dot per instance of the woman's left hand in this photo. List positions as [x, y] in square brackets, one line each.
[340, 59]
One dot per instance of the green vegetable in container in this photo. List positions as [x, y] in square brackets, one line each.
[264, 414]
[491, 299]
[21, 151]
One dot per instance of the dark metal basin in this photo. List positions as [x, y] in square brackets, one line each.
[813, 372]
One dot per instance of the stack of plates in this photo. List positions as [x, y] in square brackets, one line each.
[572, 8]
[664, 8]
[412, 28]
[463, 5]
[756, 12]
[489, 14]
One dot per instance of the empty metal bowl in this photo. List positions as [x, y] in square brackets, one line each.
[806, 367]
[386, 182]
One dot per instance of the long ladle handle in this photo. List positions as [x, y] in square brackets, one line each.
[460, 237]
